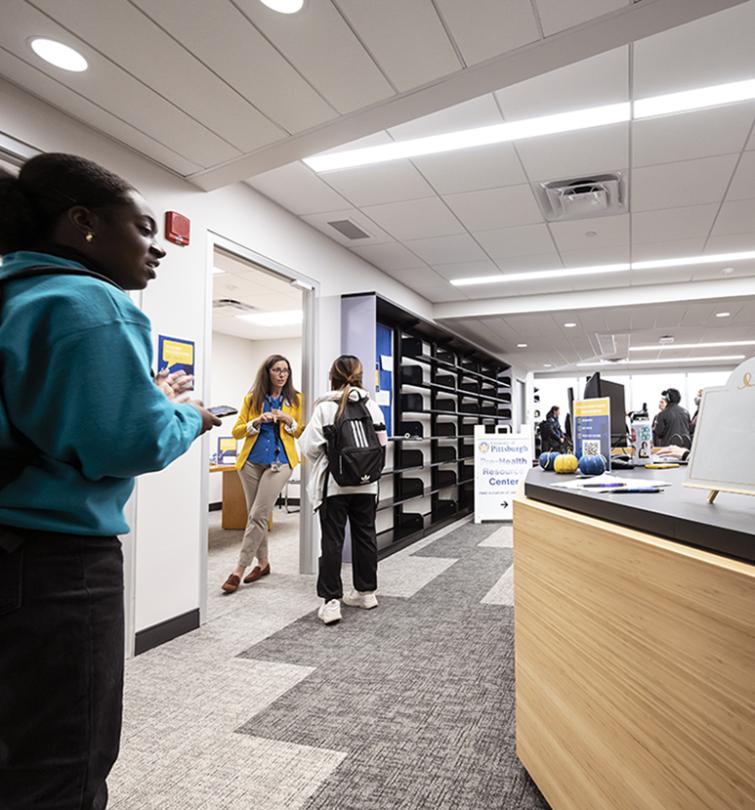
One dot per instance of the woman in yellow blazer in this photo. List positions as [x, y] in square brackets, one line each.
[269, 421]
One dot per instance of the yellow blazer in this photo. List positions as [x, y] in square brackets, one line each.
[249, 414]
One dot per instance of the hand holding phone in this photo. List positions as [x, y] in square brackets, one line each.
[222, 410]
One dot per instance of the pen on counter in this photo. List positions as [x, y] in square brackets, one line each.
[631, 490]
[603, 485]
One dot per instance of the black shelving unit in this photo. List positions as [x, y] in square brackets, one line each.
[443, 387]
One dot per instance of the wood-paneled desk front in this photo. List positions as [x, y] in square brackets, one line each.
[234, 504]
[635, 653]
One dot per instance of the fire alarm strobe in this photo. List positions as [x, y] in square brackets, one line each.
[177, 228]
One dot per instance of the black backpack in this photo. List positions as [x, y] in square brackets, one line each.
[355, 455]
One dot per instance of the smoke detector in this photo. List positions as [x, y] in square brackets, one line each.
[595, 196]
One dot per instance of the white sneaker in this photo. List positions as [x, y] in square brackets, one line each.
[361, 599]
[330, 612]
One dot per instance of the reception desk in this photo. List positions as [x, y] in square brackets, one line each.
[635, 646]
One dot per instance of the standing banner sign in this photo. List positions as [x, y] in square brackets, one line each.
[501, 462]
[592, 428]
[175, 354]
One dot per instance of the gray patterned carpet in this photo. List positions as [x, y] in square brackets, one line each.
[419, 693]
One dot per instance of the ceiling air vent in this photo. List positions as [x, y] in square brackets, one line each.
[348, 229]
[232, 305]
[596, 196]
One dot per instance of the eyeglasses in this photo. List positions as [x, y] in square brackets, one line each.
[280, 371]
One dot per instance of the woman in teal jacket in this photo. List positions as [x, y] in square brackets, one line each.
[80, 416]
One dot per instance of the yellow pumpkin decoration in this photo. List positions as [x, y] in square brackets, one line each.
[566, 463]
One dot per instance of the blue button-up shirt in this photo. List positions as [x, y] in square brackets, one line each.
[269, 449]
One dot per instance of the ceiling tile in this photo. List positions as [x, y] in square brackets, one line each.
[687, 182]
[672, 223]
[708, 51]
[607, 254]
[321, 46]
[477, 112]
[556, 15]
[743, 184]
[394, 181]
[605, 232]
[668, 250]
[439, 292]
[320, 221]
[415, 219]
[407, 40]
[423, 276]
[520, 241]
[497, 26]
[447, 249]
[48, 89]
[495, 208]
[532, 261]
[171, 70]
[730, 243]
[602, 79]
[466, 270]
[299, 189]
[574, 154]
[692, 135]
[472, 169]
[233, 48]
[390, 256]
[113, 89]
[736, 217]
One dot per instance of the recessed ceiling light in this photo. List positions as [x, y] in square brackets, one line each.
[667, 104]
[717, 358]
[723, 314]
[284, 6]
[547, 365]
[521, 345]
[287, 317]
[216, 271]
[719, 344]
[727, 271]
[570, 325]
[568, 272]
[58, 54]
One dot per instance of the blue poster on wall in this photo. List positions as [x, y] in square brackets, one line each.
[175, 354]
[384, 373]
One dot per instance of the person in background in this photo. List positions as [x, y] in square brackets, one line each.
[672, 424]
[80, 417]
[693, 420]
[337, 503]
[269, 420]
[661, 408]
[551, 435]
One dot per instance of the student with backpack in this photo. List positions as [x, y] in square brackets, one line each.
[345, 441]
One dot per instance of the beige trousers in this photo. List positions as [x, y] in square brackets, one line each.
[262, 485]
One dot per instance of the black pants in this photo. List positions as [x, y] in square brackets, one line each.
[360, 511]
[61, 670]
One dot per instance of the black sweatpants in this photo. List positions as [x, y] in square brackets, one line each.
[360, 511]
[61, 670]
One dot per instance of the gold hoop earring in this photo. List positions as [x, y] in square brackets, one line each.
[89, 236]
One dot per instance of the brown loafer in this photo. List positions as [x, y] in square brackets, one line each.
[256, 573]
[231, 584]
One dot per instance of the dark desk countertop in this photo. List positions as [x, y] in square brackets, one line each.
[678, 513]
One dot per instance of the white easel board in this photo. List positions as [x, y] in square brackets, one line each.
[501, 462]
[723, 452]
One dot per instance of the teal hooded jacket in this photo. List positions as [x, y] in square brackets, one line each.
[80, 415]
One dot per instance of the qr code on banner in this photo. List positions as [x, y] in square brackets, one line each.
[591, 447]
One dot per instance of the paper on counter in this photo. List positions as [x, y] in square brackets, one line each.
[386, 363]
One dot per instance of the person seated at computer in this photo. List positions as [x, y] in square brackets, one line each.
[672, 425]
[693, 421]
[673, 452]
[551, 434]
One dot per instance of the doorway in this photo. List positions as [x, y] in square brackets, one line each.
[258, 310]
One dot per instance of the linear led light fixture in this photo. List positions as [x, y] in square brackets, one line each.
[287, 317]
[598, 269]
[719, 344]
[668, 104]
[717, 358]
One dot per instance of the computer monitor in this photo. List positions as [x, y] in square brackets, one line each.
[597, 387]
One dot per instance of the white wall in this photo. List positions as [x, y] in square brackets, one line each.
[169, 504]
[235, 362]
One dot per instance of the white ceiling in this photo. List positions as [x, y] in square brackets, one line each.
[256, 287]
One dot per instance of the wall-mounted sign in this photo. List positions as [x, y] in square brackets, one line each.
[592, 427]
[175, 354]
[724, 446]
[501, 462]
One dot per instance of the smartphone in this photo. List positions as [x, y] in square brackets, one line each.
[222, 410]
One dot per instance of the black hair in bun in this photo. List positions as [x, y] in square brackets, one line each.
[47, 186]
